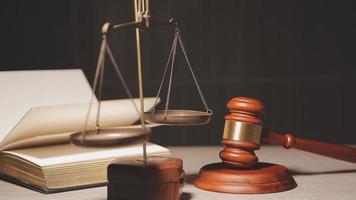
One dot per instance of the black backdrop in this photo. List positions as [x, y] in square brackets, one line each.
[295, 56]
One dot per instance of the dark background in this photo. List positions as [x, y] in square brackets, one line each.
[298, 57]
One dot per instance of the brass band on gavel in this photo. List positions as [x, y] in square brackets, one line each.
[242, 131]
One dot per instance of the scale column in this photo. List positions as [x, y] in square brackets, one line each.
[138, 17]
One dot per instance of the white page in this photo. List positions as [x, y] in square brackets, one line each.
[68, 153]
[22, 90]
[69, 118]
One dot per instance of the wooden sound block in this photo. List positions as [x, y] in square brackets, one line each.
[157, 178]
[263, 178]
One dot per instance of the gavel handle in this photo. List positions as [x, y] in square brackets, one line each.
[337, 151]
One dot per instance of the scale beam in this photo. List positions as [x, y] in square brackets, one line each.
[142, 25]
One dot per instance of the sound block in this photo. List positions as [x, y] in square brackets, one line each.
[263, 178]
[157, 178]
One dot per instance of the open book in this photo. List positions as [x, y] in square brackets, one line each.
[34, 144]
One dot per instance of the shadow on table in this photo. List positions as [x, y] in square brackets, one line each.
[189, 178]
[185, 196]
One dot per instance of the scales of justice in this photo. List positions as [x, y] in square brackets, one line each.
[157, 177]
[153, 177]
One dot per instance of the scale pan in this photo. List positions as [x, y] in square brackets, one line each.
[178, 117]
[110, 136]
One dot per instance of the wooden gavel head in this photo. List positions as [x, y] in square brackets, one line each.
[242, 132]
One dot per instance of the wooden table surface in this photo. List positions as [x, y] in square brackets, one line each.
[318, 177]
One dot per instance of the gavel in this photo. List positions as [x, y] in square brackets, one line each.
[244, 132]
[240, 172]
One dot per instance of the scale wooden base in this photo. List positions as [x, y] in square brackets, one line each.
[263, 178]
[157, 178]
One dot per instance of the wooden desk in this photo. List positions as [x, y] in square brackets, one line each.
[318, 177]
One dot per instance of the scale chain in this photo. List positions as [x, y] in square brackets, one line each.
[99, 74]
[164, 73]
[97, 121]
[121, 77]
[192, 72]
[171, 58]
[171, 75]
[95, 82]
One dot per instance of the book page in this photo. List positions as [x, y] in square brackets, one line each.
[22, 90]
[67, 153]
[66, 119]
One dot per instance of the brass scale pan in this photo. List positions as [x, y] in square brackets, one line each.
[178, 117]
[110, 136]
[125, 135]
